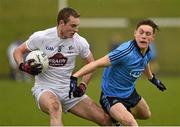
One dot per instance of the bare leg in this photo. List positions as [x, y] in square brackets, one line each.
[50, 104]
[89, 110]
[141, 110]
[122, 115]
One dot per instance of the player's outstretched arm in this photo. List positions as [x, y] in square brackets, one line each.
[88, 68]
[78, 91]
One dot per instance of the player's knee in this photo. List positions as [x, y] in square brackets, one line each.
[129, 122]
[54, 107]
[146, 115]
[132, 123]
[106, 120]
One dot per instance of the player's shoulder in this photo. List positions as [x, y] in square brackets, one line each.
[80, 41]
[47, 32]
[126, 45]
[78, 38]
[151, 53]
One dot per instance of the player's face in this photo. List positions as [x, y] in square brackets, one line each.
[144, 36]
[70, 28]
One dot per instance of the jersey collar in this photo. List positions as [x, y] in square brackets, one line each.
[139, 50]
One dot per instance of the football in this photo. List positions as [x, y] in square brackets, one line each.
[39, 57]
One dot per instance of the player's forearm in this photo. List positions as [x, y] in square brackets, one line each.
[19, 53]
[18, 56]
[148, 72]
[85, 70]
[91, 67]
[86, 78]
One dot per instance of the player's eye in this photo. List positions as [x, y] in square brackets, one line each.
[74, 26]
[148, 34]
[141, 32]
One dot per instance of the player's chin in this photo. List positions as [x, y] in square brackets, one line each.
[71, 35]
[143, 45]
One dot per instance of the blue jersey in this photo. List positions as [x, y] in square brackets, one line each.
[127, 65]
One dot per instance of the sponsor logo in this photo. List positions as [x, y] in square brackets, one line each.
[57, 60]
[136, 73]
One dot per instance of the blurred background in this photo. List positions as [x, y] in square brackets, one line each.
[105, 24]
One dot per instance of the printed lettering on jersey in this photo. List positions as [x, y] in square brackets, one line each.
[49, 48]
[71, 49]
[136, 73]
[57, 60]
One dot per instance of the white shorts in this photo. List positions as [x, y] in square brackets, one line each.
[62, 94]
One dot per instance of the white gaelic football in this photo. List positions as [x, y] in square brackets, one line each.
[39, 57]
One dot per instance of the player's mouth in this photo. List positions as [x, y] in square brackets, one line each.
[71, 34]
[143, 42]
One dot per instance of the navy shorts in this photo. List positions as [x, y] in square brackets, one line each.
[107, 102]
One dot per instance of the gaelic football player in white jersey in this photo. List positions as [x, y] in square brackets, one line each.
[51, 89]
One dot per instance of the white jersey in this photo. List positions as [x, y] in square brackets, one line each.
[61, 53]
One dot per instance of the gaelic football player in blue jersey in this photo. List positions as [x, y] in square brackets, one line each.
[123, 66]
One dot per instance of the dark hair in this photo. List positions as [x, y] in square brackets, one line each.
[148, 22]
[65, 13]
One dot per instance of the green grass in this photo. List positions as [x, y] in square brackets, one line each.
[164, 105]
[18, 106]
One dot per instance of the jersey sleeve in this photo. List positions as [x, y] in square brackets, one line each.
[120, 54]
[34, 42]
[150, 55]
[83, 47]
[152, 48]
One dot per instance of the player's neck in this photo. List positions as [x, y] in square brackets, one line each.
[143, 51]
[60, 34]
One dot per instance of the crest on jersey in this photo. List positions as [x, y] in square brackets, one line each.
[57, 60]
[60, 48]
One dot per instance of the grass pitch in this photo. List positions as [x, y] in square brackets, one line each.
[18, 106]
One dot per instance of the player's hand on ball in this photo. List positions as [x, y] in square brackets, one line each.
[76, 91]
[31, 67]
[157, 83]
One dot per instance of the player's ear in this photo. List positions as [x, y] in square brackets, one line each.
[61, 22]
[135, 33]
[153, 37]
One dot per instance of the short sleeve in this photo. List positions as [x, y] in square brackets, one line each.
[114, 56]
[83, 46]
[150, 55]
[120, 54]
[85, 51]
[34, 42]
